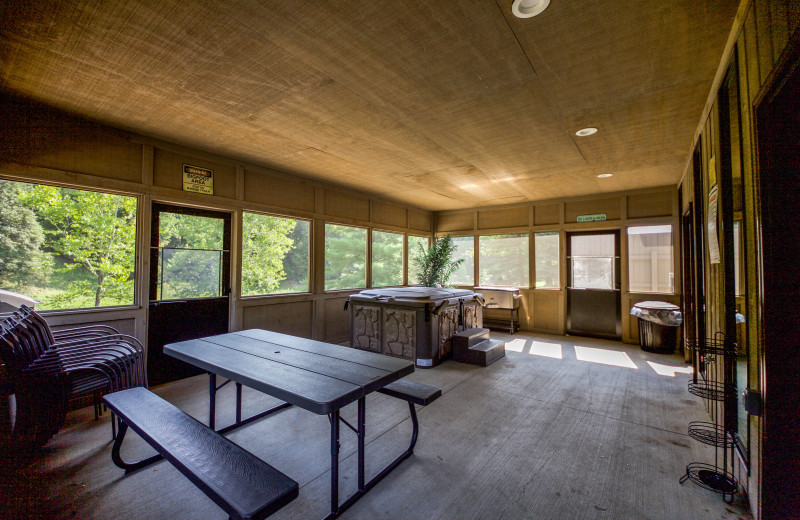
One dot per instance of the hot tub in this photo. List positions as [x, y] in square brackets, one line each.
[414, 323]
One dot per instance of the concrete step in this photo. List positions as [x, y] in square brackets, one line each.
[483, 354]
[469, 338]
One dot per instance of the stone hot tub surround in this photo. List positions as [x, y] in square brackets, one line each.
[412, 322]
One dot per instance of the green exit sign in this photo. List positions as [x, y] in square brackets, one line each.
[596, 217]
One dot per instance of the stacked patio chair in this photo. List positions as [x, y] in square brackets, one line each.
[47, 368]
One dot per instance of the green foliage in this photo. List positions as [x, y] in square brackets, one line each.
[387, 259]
[266, 241]
[436, 263]
[504, 260]
[296, 261]
[22, 262]
[176, 230]
[345, 257]
[93, 234]
[191, 256]
[546, 246]
[414, 243]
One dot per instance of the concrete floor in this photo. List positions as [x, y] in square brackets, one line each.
[561, 428]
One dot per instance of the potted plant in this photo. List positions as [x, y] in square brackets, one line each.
[436, 263]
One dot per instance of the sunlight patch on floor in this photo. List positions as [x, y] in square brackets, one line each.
[546, 349]
[515, 345]
[604, 357]
[668, 371]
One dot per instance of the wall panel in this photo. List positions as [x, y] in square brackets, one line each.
[793, 15]
[338, 204]
[546, 214]
[168, 172]
[779, 26]
[41, 136]
[609, 206]
[278, 191]
[420, 220]
[502, 218]
[293, 318]
[751, 45]
[454, 222]
[123, 325]
[657, 204]
[546, 309]
[764, 43]
[389, 214]
[337, 320]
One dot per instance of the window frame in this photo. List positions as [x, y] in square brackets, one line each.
[628, 257]
[407, 267]
[371, 259]
[309, 260]
[139, 295]
[527, 265]
[559, 258]
[367, 256]
[475, 260]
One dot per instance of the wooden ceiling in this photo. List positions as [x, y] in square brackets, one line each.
[441, 104]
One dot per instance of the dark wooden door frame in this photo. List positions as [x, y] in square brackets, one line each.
[597, 299]
[777, 123]
[183, 319]
[688, 289]
[158, 207]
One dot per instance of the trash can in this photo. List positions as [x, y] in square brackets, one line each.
[658, 326]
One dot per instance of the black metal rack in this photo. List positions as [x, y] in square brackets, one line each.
[713, 381]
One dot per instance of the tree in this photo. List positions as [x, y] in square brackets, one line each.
[22, 261]
[296, 261]
[190, 262]
[345, 257]
[266, 241]
[547, 259]
[387, 259]
[504, 260]
[436, 264]
[93, 234]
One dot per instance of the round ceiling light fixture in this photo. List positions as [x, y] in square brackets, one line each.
[583, 132]
[528, 8]
[605, 175]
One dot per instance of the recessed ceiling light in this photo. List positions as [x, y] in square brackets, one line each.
[528, 8]
[583, 132]
[605, 175]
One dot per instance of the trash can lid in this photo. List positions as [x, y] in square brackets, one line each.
[657, 306]
[662, 313]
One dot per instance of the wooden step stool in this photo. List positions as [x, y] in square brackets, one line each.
[474, 346]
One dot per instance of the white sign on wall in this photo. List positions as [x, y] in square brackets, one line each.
[713, 242]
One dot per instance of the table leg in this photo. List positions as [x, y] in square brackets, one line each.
[362, 426]
[212, 399]
[334, 417]
[238, 403]
[363, 486]
[212, 406]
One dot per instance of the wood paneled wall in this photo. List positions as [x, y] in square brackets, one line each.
[544, 310]
[42, 144]
[760, 35]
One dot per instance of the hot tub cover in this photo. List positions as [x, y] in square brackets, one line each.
[411, 294]
[662, 313]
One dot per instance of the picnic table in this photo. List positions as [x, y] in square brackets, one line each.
[313, 375]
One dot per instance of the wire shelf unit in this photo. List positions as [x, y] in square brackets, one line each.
[715, 383]
[708, 433]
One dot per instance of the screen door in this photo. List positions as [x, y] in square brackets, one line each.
[593, 291]
[189, 283]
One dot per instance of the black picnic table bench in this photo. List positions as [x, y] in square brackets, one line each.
[243, 485]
